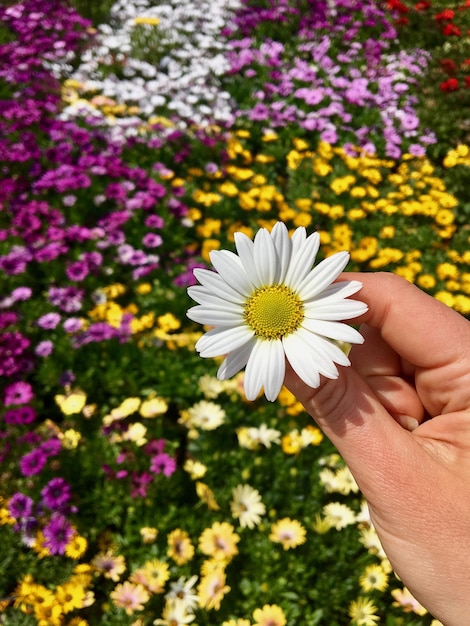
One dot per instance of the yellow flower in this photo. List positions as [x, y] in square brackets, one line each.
[269, 615]
[70, 596]
[219, 541]
[72, 403]
[342, 184]
[212, 589]
[288, 532]
[48, 614]
[426, 281]
[363, 612]
[148, 534]
[207, 247]
[153, 407]
[447, 270]
[152, 576]
[76, 547]
[180, 547]
[206, 495]
[150, 21]
[373, 577]
[70, 439]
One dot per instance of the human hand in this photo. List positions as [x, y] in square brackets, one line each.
[400, 418]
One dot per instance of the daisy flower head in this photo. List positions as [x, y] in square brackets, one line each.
[246, 506]
[267, 304]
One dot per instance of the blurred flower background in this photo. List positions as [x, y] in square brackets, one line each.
[136, 137]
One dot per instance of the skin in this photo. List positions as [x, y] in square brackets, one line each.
[400, 417]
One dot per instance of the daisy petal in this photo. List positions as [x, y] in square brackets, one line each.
[276, 369]
[302, 361]
[333, 330]
[245, 249]
[334, 310]
[220, 341]
[341, 290]
[216, 316]
[216, 284]
[302, 259]
[230, 268]
[203, 296]
[323, 275]
[264, 257]
[236, 360]
[283, 245]
[255, 366]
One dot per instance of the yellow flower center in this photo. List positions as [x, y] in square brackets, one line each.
[274, 311]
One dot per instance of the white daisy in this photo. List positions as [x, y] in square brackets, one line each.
[247, 506]
[268, 303]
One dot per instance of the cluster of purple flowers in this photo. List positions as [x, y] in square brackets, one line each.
[50, 514]
[154, 457]
[340, 62]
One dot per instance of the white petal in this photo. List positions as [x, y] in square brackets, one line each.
[236, 360]
[216, 316]
[335, 310]
[254, 371]
[220, 341]
[230, 268]
[323, 275]
[341, 289]
[321, 352]
[245, 249]
[283, 245]
[302, 258]
[265, 258]
[276, 369]
[333, 330]
[216, 284]
[303, 361]
[203, 296]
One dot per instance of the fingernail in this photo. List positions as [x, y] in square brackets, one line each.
[410, 423]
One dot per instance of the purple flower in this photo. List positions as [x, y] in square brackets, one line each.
[72, 325]
[21, 415]
[21, 293]
[163, 464]
[152, 240]
[51, 447]
[48, 321]
[139, 484]
[56, 494]
[77, 270]
[20, 506]
[18, 393]
[57, 534]
[33, 462]
[44, 348]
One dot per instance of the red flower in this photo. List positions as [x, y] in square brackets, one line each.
[448, 66]
[467, 81]
[423, 6]
[451, 29]
[396, 5]
[447, 14]
[451, 84]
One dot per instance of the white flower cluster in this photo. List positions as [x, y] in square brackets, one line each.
[183, 83]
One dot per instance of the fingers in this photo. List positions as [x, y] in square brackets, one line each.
[391, 379]
[376, 448]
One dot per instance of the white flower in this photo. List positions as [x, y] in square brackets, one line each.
[247, 506]
[268, 303]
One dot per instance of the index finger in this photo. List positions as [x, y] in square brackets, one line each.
[419, 328]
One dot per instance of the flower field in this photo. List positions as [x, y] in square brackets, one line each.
[136, 138]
